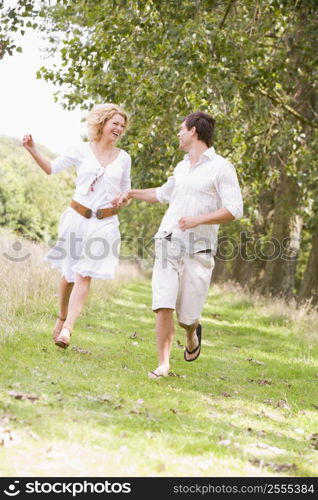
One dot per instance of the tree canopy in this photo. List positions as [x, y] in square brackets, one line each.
[250, 64]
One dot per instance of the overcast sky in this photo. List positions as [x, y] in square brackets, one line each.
[27, 104]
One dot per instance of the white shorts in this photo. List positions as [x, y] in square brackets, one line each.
[180, 281]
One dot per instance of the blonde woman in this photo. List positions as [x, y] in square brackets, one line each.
[88, 235]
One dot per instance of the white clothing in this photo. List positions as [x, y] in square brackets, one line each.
[180, 281]
[90, 247]
[194, 190]
[182, 276]
[114, 178]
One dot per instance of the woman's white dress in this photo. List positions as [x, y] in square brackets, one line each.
[90, 247]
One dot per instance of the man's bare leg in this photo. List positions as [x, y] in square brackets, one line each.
[65, 289]
[192, 339]
[165, 333]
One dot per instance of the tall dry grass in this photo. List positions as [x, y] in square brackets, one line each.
[302, 319]
[26, 280]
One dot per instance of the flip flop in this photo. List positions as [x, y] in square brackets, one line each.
[198, 332]
[157, 375]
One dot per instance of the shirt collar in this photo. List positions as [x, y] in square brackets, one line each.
[208, 153]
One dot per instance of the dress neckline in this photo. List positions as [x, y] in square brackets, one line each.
[97, 160]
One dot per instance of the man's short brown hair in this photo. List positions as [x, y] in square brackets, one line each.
[204, 126]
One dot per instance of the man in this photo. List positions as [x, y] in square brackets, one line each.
[202, 193]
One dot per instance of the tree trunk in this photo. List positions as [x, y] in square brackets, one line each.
[220, 272]
[247, 269]
[309, 285]
[281, 258]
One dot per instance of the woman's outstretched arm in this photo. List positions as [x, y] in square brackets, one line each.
[43, 162]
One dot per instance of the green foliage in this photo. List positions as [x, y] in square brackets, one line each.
[250, 64]
[30, 201]
[15, 20]
[138, 224]
[243, 62]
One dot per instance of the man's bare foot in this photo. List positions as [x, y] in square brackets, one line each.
[160, 371]
[58, 327]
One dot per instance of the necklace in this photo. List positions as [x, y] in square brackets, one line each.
[108, 159]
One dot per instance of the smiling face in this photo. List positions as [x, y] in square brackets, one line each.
[114, 128]
[186, 137]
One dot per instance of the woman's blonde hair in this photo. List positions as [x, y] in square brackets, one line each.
[99, 115]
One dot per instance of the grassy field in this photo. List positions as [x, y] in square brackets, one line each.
[247, 407]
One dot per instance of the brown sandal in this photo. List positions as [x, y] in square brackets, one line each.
[57, 333]
[63, 340]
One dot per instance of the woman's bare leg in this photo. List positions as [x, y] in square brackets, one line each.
[77, 300]
[65, 289]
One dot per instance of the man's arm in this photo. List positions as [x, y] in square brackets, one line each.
[123, 199]
[221, 216]
[143, 194]
[229, 191]
[160, 194]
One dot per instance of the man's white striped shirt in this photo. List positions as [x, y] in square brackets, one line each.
[194, 190]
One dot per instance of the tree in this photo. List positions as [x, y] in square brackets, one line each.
[309, 285]
[249, 64]
[27, 195]
[15, 20]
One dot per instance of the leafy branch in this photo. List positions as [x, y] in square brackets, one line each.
[278, 99]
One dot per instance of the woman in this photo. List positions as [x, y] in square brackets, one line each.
[88, 237]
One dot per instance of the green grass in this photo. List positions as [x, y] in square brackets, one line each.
[247, 407]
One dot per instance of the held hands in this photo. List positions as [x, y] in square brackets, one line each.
[28, 142]
[189, 222]
[121, 200]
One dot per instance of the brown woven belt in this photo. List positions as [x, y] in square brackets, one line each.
[101, 213]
